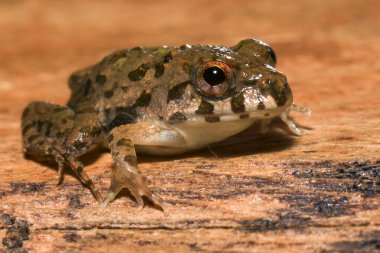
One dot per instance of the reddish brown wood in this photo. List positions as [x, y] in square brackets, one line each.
[271, 193]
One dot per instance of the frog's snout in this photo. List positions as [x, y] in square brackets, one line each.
[269, 94]
[281, 93]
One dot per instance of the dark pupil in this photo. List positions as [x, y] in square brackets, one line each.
[214, 76]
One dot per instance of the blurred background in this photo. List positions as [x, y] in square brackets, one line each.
[50, 39]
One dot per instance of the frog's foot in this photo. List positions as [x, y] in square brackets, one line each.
[128, 177]
[290, 122]
[63, 158]
[124, 171]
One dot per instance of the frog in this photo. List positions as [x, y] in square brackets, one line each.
[164, 100]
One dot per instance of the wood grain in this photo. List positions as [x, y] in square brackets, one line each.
[250, 193]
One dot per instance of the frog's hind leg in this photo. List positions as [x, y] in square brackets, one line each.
[45, 127]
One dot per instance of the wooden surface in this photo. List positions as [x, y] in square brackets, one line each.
[272, 193]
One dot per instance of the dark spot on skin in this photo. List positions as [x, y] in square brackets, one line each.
[137, 49]
[266, 115]
[261, 106]
[40, 143]
[212, 119]
[94, 131]
[244, 116]
[272, 56]
[87, 87]
[27, 187]
[168, 57]
[177, 91]
[84, 110]
[33, 137]
[279, 92]
[101, 79]
[124, 89]
[205, 108]
[39, 124]
[27, 128]
[143, 100]
[72, 237]
[48, 128]
[74, 201]
[59, 109]
[108, 93]
[237, 103]
[249, 83]
[177, 117]
[59, 134]
[139, 73]
[124, 115]
[113, 57]
[124, 142]
[183, 47]
[159, 70]
[131, 159]
[79, 144]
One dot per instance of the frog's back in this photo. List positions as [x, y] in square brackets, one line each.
[131, 84]
[102, 78]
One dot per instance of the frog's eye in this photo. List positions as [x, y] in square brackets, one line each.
[213, 78]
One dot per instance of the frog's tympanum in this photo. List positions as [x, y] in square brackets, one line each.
[161, 101]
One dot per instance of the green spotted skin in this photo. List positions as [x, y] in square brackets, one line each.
[163, 101]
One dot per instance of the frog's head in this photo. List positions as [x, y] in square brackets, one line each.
[240, 81]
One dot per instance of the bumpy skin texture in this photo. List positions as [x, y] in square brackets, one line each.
[162, 101]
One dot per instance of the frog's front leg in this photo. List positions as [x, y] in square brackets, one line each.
[124, 171]
[290, 122]
[122, 141]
